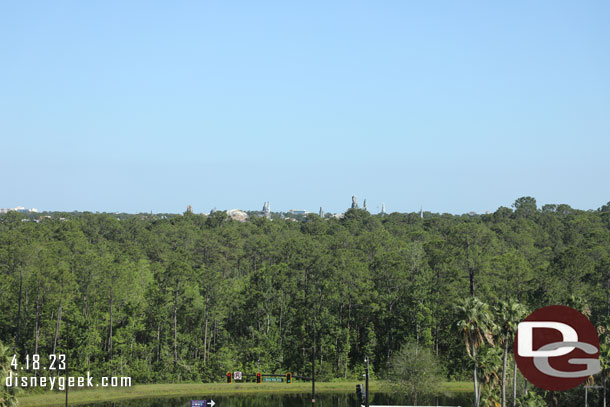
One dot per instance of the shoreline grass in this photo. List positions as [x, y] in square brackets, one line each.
[86, 396]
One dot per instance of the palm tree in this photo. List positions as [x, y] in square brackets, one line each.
[509, 315]
[604, 358]
[603, 331]
[477, 327]
[489, 361]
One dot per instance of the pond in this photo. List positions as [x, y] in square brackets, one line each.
[293, 400]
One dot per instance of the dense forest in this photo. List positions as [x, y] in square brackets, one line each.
[190, 297]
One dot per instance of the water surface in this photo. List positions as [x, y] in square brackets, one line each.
[292, 400]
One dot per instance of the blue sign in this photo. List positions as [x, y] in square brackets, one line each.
[202, 403]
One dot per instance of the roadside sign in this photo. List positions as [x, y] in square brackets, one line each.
[273, 379]
[236, 375]
[202, 403]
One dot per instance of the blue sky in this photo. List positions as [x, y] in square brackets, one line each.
[454, 106]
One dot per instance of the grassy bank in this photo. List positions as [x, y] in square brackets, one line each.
[205, 389]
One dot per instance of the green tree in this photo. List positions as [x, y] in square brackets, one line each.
[531, 399]
[7, 394]
[489, 360]
[525, 206]
[509, 314]
[476, 325]
[415, 371]
[473, 243]
[603, 331]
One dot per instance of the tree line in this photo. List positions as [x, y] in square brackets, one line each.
[189, 297]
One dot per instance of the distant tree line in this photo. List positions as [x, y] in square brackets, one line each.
[189, 297]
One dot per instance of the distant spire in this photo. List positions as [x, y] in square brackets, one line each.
[321, 213]
[266, 210]
[354, 202]
[383, 208]
[189, 209]
[366, 207]
[421, 212]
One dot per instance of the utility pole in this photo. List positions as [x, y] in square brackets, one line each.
[366, 386]
[66, 366]
[66, 376]
[313, 369]
[586, 394]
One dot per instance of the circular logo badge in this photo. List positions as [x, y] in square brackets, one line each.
[556, 348]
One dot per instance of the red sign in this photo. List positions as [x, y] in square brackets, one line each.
[557, 348]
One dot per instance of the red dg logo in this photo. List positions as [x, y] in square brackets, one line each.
[556, 348]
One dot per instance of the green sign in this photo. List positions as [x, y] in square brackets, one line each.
[273, 379]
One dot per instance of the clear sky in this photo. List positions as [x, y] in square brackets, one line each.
[455, 106]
